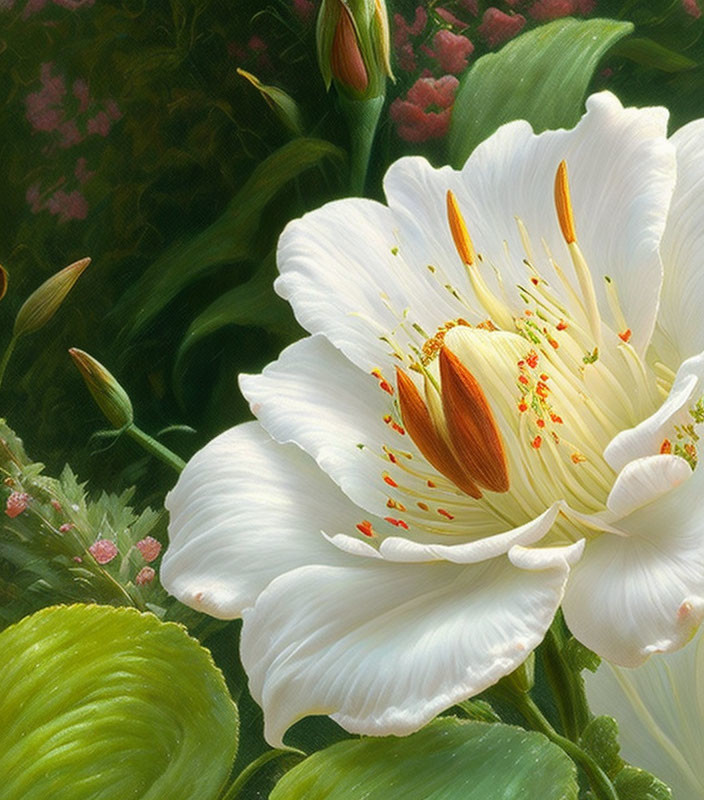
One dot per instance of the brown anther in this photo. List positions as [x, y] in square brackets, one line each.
[460, 236]
[421, 429]
[475, 437]
[563, 204]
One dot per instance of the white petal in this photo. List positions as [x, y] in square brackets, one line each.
[313, 396]
[643, 593]
[621, 171]
[659, 707]
[384, 647]
[397, 548]
[540, 558]
[344, 271]
[355, 270]
[644, 480]
[647, 437]
[244, 511]
[680, 316]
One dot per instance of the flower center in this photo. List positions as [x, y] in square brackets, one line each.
[515, 412]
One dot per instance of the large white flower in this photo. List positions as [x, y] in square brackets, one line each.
[660, 711]
[503, 374]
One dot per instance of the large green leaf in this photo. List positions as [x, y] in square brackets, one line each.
[101, 703]
[541, 76]
[450, 759]
[229, 239]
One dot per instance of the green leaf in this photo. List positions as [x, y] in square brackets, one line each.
[651, 54]
[600, 739]
[637, 784]
[580, 657]
[252, 303]
[449, 759]
[541, 76]
[101, 703]
[230, 238]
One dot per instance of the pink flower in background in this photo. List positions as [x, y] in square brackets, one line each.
[451, 51]
[67, 206]
[546, 10]
[402, 30]
[82, 93]
[113, 110]
[425, 113]
[70, 135]
[17, 502]
[99, 124]
[35, 6]
[43, 108]
[103, 551]
[304, 10]
[497, 27]
[692, 8]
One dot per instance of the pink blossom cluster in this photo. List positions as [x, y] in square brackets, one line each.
[425, 112]
[692, 8]
[35, 6]
[304, 10]
[256, 50]
[67, 119]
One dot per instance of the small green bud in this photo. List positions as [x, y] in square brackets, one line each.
[354, 46]
[279, 101]
[43, 303]
[109, 396]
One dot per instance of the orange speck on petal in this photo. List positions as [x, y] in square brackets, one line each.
[537, 442]
[399, 523]
[665, 447]
[522, 407]
[534, 281]
[365, 527]
[561, 325]
[543, 377]
[532, 359]
[522, 379]
[578, 458]
[445, 513]
[431, 484]
[540, 423]
[625, 335]
[423, 506]
[556, 419]
[389, 480]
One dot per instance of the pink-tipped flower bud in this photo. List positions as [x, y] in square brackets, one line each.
[150, 548]
[17, 502]
[109, 396]
[103, 551]
[144, 576]
[354, 46]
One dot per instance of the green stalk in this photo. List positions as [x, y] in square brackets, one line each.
[6, 357]
[251, 769]
[155, 448]
[601, 785]
[362, 119]
[566, 686]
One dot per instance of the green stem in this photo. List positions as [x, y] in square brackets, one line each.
[567, 687]
[155, 448]
[254, 767]
[6, 357]
[362, 119]
[600, 783]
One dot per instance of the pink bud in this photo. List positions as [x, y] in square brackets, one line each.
[103, 551]
[67, 526]
[149, 547]
[692, 8]
[346, 60]
[144, 576]
[17, 502]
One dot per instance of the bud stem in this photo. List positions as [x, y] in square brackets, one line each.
[6, 357]
[362, 119]
[155, 448]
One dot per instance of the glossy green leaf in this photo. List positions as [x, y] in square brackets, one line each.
[651, 54]
[230, 238]
[279, 101]
[541, 76]
[100, 703]
[253, 303]
[450, 759]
